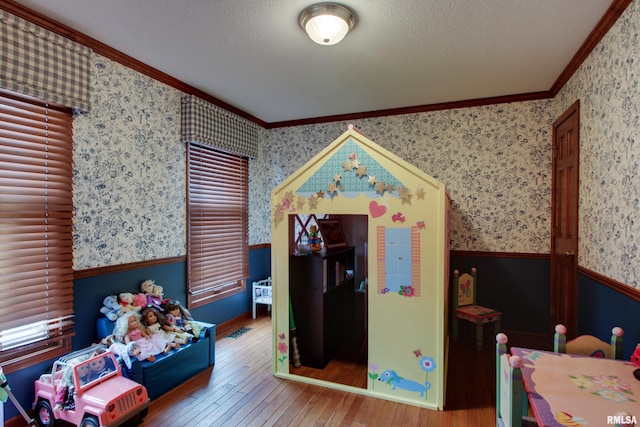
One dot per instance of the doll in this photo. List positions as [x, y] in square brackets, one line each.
[180, 319]
[99, 366]
[129, 328]
[154, 293]
[158, 329]
[314, 239]
[64, 392]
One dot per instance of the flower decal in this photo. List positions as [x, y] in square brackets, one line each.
[282, 348]
[614, 396]
[427, 364]
[373, 374]
[581, 383]
[611, 382]
[407, 291]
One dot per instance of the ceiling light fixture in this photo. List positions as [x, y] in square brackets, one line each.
[327, 23]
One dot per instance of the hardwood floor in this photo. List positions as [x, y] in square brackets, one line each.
[241, 391]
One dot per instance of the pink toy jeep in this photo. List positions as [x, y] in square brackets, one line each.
[86, 388]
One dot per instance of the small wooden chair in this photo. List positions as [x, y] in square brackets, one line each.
[465, 307]
[261, 294]
[588, 345]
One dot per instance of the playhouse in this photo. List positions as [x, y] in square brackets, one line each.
[405, 268]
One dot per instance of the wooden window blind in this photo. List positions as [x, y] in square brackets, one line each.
[36, 258]
[217, 241]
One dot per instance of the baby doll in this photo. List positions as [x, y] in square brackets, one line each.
[129, 328]
[180, 319]
[158, 329]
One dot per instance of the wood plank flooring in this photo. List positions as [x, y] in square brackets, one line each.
[241, 391]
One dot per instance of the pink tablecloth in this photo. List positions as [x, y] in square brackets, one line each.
[570, 390]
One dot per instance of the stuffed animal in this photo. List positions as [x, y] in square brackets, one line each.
[635, 356]
[140, 300]
[125, 351]
[126, 301]
[111, 308]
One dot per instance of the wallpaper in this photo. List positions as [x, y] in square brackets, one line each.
[607, 86]
[495, 161]
[129, 186]
[129, 171]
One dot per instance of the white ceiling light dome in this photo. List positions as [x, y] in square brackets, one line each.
[327, 23]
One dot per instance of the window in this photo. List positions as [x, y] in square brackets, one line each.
[218, 204]
[36, 246]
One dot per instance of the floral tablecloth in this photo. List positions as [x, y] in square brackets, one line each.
[571, 390]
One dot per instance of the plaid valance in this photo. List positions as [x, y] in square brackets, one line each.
[42, 64]
[211, 125]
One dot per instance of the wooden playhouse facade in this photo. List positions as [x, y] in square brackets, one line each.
[407, 261]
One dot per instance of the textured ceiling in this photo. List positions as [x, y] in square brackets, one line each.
[253, 55]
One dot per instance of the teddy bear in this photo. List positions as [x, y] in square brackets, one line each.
[126, 301]
[111, 308]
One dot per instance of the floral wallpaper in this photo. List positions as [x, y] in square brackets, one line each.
[495, 161]
[129, 171]
[129, 185]
[607, 85]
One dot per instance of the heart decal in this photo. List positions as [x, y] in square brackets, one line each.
[377, 210]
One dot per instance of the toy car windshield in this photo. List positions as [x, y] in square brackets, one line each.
[95, 369]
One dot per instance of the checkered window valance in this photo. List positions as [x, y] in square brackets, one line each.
[39, 63]
[208, 124]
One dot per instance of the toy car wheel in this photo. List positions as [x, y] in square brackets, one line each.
[90, 421]
[44, 414]
[144, 413]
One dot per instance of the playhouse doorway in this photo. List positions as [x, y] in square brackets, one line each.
[329, 298]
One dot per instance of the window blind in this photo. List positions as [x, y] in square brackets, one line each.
[36, 271]
[218, 204]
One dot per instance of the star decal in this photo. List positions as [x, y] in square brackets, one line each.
[390, 188]
[320, 194]
[347, 166]
[300, 201]
[380, 187]
[337, 177]
[333, 188]
[355, 164]
[289, 195]
[361, 171]
[404, 194]
[313, 202]
[372, 180]
[420, 193]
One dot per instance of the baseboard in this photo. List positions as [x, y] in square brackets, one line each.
[225, 328]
